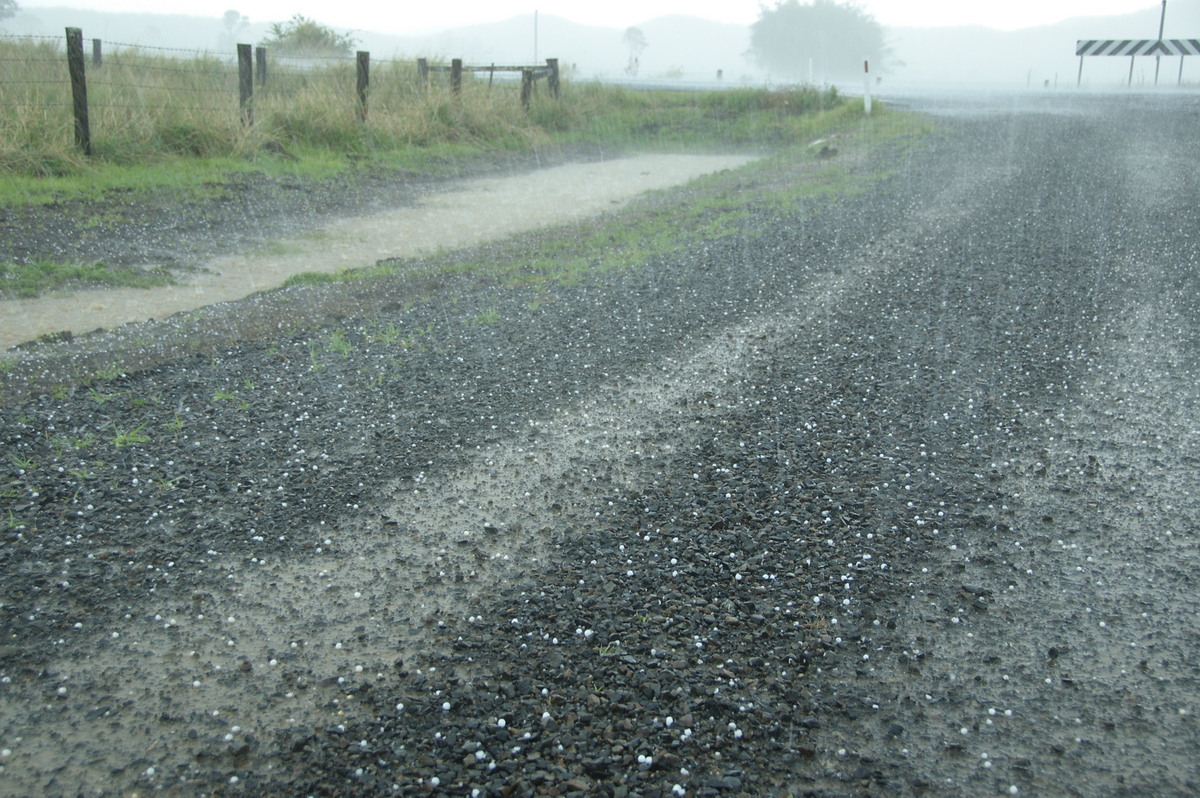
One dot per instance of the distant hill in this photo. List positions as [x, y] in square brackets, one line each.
[679, 47]
[686, 48]
[176, 31]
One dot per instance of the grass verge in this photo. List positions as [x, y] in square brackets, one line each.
[793, 177]
[27, 280]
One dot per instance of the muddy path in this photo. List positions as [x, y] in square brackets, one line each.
[893, 495]
[430, 218]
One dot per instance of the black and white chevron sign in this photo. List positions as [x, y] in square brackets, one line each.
[1138, 47]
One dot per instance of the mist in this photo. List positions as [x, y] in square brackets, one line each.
[689, 51]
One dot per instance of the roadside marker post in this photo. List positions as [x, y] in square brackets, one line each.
[867, 87]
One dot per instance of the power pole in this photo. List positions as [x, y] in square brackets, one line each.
[1162, 21]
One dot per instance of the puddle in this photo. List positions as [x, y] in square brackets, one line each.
[480, 210]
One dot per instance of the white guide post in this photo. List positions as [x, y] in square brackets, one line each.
[867, 87]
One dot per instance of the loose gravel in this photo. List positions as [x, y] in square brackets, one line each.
[892, 495]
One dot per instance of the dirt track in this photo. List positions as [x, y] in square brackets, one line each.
[890, 496]
[431, 217]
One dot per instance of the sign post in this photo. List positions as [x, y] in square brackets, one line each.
[1134, 47]
[1162, 20]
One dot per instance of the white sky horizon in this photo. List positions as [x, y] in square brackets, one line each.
[368, 15]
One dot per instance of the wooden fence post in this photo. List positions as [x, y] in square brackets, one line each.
[526, 87]
[246, 84]
[553, 79]
[364, 80]
[260, 65]
[456, 76]
[96, 54]
[83, 133]
[423, 72]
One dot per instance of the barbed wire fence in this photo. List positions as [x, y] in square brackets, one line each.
[186, 98]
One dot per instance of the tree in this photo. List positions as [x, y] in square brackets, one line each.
[233, 26]
[828, 37]
[635, 40]
[8, 8]
[307, 38]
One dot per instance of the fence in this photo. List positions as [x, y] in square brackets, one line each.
[529, 74]
[215, 85]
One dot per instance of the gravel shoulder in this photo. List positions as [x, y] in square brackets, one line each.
[892, 494]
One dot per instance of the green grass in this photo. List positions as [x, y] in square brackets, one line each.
[489, 316]
[77, 442]
[793, 180]
[108, 372]
[102, 398]
[789, 179]
[22, 462]
[386, 335]
[393, 335]
[128, 437]
[339, 343]
[46, 276]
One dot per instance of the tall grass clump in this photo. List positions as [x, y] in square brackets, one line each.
[789, 101]
[35, 109]
[146, 106]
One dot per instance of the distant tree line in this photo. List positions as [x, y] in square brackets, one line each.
[827, 37]
[298, 37]
[8, 8]
[307, 38]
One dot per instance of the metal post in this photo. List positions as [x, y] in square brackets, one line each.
[1131, 72]
[1079, 80]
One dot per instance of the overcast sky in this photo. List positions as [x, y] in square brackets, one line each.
[407, 17]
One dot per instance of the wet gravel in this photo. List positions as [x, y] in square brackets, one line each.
[893, 495]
